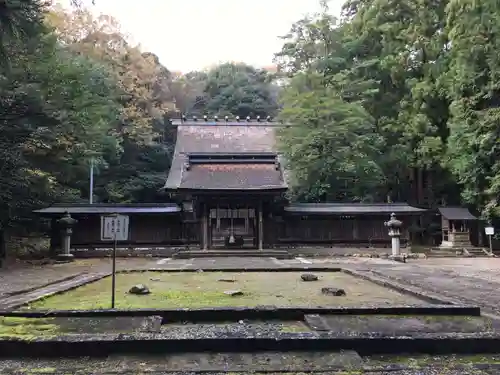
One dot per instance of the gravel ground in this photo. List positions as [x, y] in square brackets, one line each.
[296, 363]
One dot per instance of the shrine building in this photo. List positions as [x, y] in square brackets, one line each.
[226, 189]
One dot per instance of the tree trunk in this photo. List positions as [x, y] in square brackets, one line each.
[3, 247]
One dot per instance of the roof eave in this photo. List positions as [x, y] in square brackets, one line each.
[350, 212]
[235, 190]
[100, 209]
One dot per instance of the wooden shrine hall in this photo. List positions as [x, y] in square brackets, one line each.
[231, 181]
[227, 189]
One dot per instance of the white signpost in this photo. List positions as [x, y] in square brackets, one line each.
[114, 228]
[490, 231]
[111, 225]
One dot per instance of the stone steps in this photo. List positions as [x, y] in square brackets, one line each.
[439, 252]
[477, 252]
[219, 242]
[187, 254]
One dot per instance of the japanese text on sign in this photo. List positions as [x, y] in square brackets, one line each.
[114, 225]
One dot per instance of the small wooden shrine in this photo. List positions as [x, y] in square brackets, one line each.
[456, 227]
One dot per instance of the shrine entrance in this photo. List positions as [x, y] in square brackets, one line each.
[233, 226]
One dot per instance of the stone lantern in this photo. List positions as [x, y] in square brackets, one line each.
[66, 224]
[394, 226]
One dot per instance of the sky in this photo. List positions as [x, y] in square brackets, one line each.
[194, 34]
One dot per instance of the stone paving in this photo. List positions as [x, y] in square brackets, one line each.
[471, 280]
[24, 276]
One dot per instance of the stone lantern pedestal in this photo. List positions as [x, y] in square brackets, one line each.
[394, 226]
[66, 224]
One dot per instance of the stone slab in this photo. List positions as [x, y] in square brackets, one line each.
[316, 322]
[43, 292]
[407, 325]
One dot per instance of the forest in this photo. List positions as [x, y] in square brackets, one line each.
[397, 100]
[392, 101]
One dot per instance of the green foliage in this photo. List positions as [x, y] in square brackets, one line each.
[239, 90]
[331, 146]
[474, 81]
[76, 92]
[56, 108]
[425, 73]
[19, 19]
[136, 170]
[395, 100]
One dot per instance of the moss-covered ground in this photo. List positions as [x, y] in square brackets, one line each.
[206, 289]
[27, 328]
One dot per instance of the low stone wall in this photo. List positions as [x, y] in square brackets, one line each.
[141, 252]
[100, 345]
[305, 251]
[229, 314]
[302, 251]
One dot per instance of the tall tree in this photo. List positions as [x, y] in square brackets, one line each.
[389, 57]
[239, 90]
[330, 145]
[474, 81]
[146, 100]
[19, 19]
[55, 108]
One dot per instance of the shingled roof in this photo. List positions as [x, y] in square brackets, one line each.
[353, 208]
[456, 213]
[238, 138]
[110, 208]
[232, 177]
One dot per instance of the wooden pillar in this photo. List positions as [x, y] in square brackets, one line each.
[204, 227]
[273, 228]
[355, 228]
[55, 237]
[261, 227]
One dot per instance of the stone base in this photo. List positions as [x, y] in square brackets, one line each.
[399, 258]
[63, 257]
[271, 253]
[459, 252]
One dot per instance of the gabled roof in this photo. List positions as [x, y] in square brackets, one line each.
[241, 142]
[352, 208]
[105, 208]
[233, 176]
[456, 213]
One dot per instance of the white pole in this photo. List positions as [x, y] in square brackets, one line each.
[91, 194]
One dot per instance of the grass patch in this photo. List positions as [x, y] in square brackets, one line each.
[204, 289]
[419, 361]
[294, 327]
[27, 328]
[45, 370]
